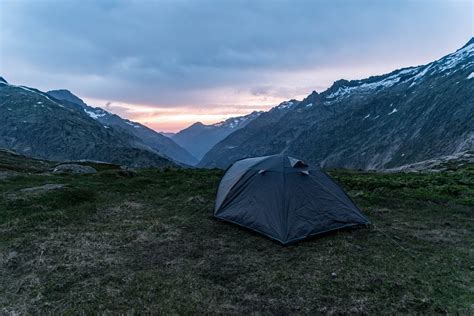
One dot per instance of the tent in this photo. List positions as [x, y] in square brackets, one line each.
[284, 198]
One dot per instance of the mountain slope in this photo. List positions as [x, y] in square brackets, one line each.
[240, 143]
[199, 138]
[145, 135]
[408, 115]
[35, 124]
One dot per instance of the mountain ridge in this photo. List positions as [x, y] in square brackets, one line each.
[371, 123]
[35, 124]
[155, 140]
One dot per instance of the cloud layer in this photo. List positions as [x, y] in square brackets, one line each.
[206, 54]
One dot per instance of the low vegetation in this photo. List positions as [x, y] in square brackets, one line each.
[146, 241]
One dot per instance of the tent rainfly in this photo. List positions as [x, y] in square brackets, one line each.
[283, 198]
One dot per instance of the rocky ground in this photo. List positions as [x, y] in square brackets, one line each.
[444, 163]
[125, 241]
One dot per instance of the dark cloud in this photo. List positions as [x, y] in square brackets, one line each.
[175, 53]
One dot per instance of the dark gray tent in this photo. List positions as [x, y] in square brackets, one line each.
[284, 199]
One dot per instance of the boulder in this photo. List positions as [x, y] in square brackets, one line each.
[74, 168]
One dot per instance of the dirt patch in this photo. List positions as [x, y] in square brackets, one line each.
[7, 174]
[196, 200]
[25, 193]
[449, 236]
[74, 168]
[132, 205]
[43, 188]
[127, 210]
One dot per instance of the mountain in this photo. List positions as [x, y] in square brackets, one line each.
[406, 116]
[145, 135]
[199, 138]
[35, 124]
[66, 95]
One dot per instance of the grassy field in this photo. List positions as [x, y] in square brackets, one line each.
[146, 241]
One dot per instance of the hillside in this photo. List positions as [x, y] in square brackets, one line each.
[406, 116]
[35, 124]
[145, 242]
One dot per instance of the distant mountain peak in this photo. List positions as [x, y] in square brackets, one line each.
[146, 136]
[471, 41]
[66, 95]
[197, 124]
[3, 80]
[62, 91]
[235, 122]
[340, 83]
[199, 138]
[287, 104]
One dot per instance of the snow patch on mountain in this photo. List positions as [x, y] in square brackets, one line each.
[388, 82]
[132, 124]
[408, 71]
[455, 58]
[393, 111]
[95, 115]
[340, 92]
[366, 87]
[447, 64]
[235, 122]
[285, 105]
[471, 75]
[420, 75]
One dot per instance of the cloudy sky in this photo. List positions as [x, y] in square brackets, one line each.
[170, 63]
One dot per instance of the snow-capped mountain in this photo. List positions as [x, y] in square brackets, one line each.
[286, 105]
[408, 115]
[413, 75]
[36, 124]
[199, 138]
[145, 135]
[236, 122]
